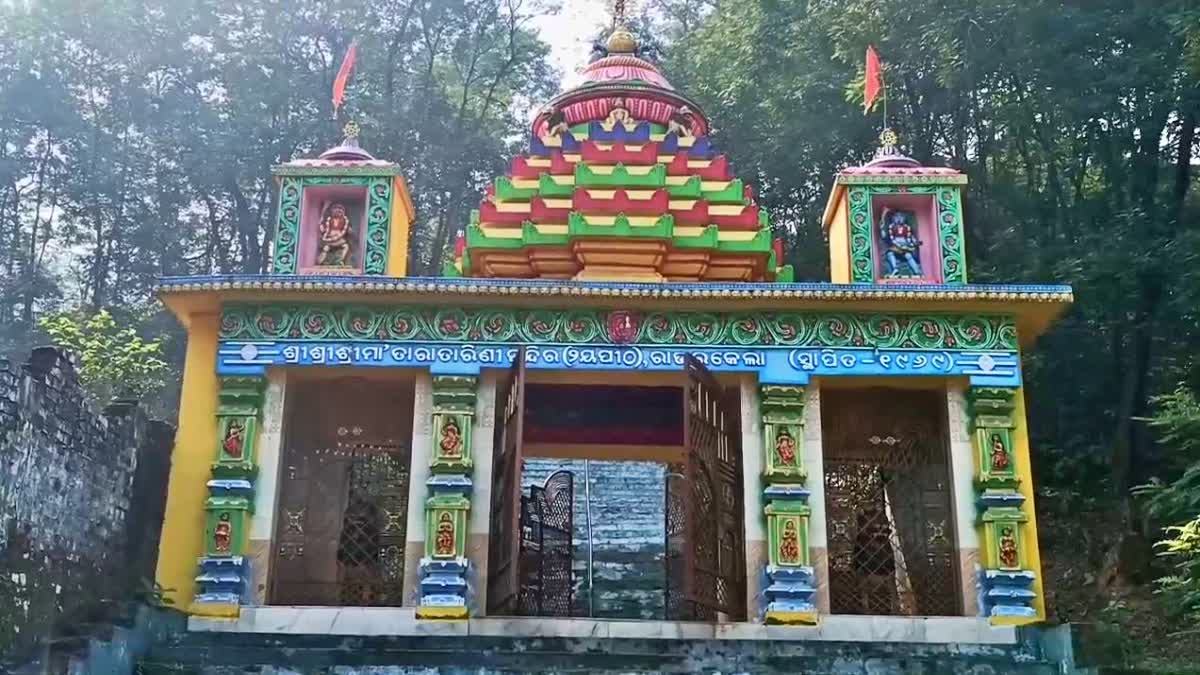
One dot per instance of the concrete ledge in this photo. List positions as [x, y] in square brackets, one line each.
[402, 621]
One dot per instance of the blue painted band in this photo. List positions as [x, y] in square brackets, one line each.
[774, 365]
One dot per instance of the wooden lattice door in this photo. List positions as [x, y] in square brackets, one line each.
[505, 545]
[887, 501]
[343, 497]
[706, 564]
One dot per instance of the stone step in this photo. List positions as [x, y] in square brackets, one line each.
[227, 654]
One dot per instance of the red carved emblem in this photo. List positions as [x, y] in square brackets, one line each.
[623, 327]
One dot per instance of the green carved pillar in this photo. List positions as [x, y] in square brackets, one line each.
[445, 566]
[1005, 580]
[224, 572]
[789, 571]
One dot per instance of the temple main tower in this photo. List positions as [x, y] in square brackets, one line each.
[621, 183]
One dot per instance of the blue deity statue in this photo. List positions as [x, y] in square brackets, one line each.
[901, 247]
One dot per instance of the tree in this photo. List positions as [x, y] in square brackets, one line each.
[113, 361]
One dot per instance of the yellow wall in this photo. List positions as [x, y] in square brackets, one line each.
[402, 217]
[839, 243]
[195, 448]
[1033, 556]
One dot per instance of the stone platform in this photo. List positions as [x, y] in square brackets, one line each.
[401, 622]
[378, 641]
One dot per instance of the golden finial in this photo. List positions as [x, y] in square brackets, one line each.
[621, 41]
[351, 129]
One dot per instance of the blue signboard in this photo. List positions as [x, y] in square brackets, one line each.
[774, 365]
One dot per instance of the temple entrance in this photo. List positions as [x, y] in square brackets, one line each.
[618, 500]
[888, 503]
[343, 495]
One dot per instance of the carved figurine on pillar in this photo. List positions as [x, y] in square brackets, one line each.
[444, 543]
[789, 544]
[451, 442]
[901, 248]
[234, 439]
[785, 448]
[1009, 559]
[334, 232]
[223, 534]
[999, 454]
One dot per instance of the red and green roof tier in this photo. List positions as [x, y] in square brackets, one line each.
[620, 202]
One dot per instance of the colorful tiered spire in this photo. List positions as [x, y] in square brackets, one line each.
[621, 182]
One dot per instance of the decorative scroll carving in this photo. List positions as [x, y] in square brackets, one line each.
[582, 326]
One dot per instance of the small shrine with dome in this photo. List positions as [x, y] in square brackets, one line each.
[818, 451]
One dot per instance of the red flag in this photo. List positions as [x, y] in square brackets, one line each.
[873, 84]
[339, 82]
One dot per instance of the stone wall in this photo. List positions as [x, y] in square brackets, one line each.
[627, 535]
[82, 494]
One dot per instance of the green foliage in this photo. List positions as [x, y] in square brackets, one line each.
[114, 360]
[1072, 122]
[1182, 587]
[1177, 420]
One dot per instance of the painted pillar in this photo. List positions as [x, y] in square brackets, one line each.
[420, 458]
[789, 571]
[191, 458]
[814, 465]
[752, 470]
[962, 492]
[224, 577]
[266, 488]
[445, 565]
[479, 524]
[1006, 580]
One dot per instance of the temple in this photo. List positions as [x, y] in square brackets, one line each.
[616, 380]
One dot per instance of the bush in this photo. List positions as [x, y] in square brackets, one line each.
[114, 361]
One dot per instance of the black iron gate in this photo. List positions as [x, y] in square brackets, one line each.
[547, 547]
[887, 500]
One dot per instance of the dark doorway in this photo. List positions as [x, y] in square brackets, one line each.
[888, 503]
[686, 439]
[343, 495]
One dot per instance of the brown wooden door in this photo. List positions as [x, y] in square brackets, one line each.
[504, 548]
[711, 577]
[343, 495]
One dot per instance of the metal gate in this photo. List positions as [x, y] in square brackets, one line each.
[887, 500]
[343, 498]
[547, 547]
[705, 547]
[503, 595]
